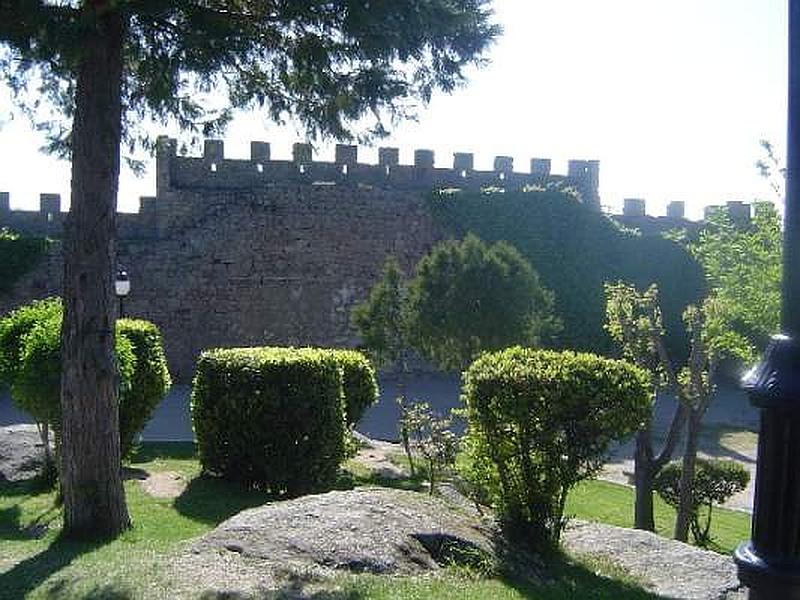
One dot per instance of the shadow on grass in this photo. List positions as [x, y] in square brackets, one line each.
[212, 500]
[28, 487]
[63, 590]
[571, 578]
[30, 573]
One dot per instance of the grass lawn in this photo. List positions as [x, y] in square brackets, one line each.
[134, 566]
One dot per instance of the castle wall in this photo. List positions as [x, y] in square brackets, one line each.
[254, 252]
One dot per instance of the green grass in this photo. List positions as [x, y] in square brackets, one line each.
[133, 566]
[612, 503]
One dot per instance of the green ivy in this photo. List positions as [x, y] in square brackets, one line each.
[576, 250]
[18, 255]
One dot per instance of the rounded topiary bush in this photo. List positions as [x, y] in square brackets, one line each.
[36, 388]
[359, 381]
[271, 418]
[715, 481]
[149, 383]
[30, 364]
[541, 421]
[13, 328]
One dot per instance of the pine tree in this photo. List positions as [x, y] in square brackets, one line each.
[107, 65]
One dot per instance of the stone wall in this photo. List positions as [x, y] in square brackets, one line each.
[260, 251]
[253, 252]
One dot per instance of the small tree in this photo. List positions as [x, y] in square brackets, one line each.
[714, 482]
[381, 322]
[742, 263]
[468, 297]
[431, 437]
[634, 321]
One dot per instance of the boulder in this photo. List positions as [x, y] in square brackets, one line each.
[21, 452]
[368, 529]
[668, 568]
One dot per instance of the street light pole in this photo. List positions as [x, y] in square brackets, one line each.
[769, 564]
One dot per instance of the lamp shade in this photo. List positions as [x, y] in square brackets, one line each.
[122, 285]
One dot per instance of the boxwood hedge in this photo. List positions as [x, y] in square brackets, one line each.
[271, 418]
[359, 381]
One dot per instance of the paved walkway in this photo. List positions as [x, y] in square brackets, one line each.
[728, 425]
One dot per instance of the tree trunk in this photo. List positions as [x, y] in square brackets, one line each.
[643, 474]
[686, 505]
[94, 499]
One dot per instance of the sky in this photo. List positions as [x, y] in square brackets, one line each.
[671, 96]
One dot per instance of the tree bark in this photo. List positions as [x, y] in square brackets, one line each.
[643, 475]
[685, 506]
[94, 499]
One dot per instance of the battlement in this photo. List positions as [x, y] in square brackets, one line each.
[183, 180]
[215, 172]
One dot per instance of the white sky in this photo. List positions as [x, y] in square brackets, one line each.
[671, 96]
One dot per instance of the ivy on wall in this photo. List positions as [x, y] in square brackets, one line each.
[18, 255]
[575, 250]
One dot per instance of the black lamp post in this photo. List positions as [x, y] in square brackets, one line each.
[122, 287]
[770, 562]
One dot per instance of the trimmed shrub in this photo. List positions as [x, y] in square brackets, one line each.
[30, 363]
[271, 418]
[150, 381]
[37, 386]
[540, 422]
[359, 382]
[13, 328]
[714, 482]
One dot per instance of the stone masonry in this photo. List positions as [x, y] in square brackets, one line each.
[261, 251]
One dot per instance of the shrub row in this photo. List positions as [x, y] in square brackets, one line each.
[276, 418]
[540, 422]
[30, 364]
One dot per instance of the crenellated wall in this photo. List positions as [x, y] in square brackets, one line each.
[262, 251]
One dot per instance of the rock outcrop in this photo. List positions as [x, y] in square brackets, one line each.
[21, 452]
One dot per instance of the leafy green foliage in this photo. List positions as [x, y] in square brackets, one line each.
[150, 380]
[540, 422]
[714, 482]
[742, 264]
[468, 297]
[13, 328]
[575, 252]
[359, 383]
[381, 319]
[271, 418]
[37, 386]
[332, 66]
[30, 363]
[18, 255]
[634, 321]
